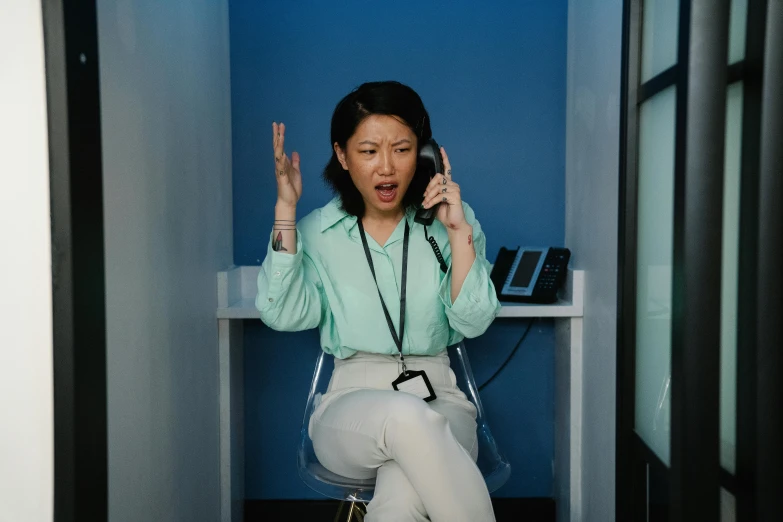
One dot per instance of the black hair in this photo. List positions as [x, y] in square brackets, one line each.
[388, 98]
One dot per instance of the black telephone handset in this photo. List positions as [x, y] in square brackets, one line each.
[431, 162]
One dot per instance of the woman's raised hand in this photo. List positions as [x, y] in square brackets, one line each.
[442, 189]
[289, 177]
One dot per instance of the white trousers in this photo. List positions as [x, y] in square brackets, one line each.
[423, 454]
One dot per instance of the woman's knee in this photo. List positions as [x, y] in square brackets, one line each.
[409, 409]
[409, 418]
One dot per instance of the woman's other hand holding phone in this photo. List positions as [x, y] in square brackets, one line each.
[442, 189]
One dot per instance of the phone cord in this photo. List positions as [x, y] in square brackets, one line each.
[436, 250]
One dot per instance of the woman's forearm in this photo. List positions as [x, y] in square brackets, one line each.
[463, 254]
[284, 230]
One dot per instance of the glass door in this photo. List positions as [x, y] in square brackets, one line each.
[688, 338]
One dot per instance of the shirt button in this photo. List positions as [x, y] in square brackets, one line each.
[270, 299]
[277, 274]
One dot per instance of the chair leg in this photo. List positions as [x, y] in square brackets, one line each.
[339, 511]
[360, 511]
[355, 512]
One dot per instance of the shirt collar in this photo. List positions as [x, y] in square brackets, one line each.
[331, 214]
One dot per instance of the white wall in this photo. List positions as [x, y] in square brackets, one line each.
[26, 407]
[165, 97]
[592, 159]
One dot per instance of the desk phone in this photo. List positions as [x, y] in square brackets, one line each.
[530, 274]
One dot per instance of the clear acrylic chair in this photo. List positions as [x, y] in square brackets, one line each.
[358, 492]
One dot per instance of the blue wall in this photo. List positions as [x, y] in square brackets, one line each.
[492, 76]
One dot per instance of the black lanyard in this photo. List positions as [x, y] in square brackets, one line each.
[397, 340]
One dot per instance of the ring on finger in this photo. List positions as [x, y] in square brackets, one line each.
[444, 190]
[448, 172]
[445, 199]
[445, 181]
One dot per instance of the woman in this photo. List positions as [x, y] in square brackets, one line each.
[342, 269]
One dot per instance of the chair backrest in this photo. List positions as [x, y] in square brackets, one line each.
[493, 466]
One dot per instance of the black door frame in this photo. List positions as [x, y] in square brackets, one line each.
[697, 276]
[641, 475]
[78, 275]
[744, 480]
[769, 426]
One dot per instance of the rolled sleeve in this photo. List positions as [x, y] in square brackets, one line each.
[476, 305]
[289, 290]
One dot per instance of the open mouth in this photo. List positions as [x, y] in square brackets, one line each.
[386, 191]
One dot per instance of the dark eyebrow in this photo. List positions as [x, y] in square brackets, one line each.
[400, 142]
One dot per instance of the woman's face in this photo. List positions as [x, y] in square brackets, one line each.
[381, 160]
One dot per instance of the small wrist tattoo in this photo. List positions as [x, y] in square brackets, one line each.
[277, 246]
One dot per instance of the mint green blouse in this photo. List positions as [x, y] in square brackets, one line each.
[327, 284]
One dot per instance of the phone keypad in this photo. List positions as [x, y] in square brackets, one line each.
[552, 272]
[549, 276]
